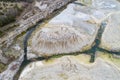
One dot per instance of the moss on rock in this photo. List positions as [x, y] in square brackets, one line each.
[109, 57]
[2, 67]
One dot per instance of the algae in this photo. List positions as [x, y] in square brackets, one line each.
[109, 57]
[2, 67]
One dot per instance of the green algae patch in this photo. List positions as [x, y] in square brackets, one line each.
[109, 57]
[86, 2]
[84, 58]
[64, 76]
[49, 61]
[2, 67]
[1, 33]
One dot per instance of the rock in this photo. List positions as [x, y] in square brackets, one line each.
[17, 47]
[12, 69]
[116, 56]
[71, 31]
[30, 54]
[111, 58]
[108, 5]
[78, 15]
[2, 58]
[85, 2]
[111, 36]
[70, 68]
[14, 51]
[92, 14]
[24, 24]
[104, 8]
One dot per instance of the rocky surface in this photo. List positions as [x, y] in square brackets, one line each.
[91, 25]
[2, 58]
[32, 17]
[107, 5]
[70, 28]
[9, 11]
[13, 38]
[70, 68]
[71, 31]
[103, 7]
[86, 2]
[111, 58]
[12, 69]
[12, 41]
[110, 38]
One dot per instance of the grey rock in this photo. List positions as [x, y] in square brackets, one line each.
[111, 36]
[116, 56]
[70, 68]
[12, 69]
[71, 31]
[85, 2]
[25, 23]
[105, 5]
[17, 47]
[30, 54]
[2, 58]
[109, 5]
